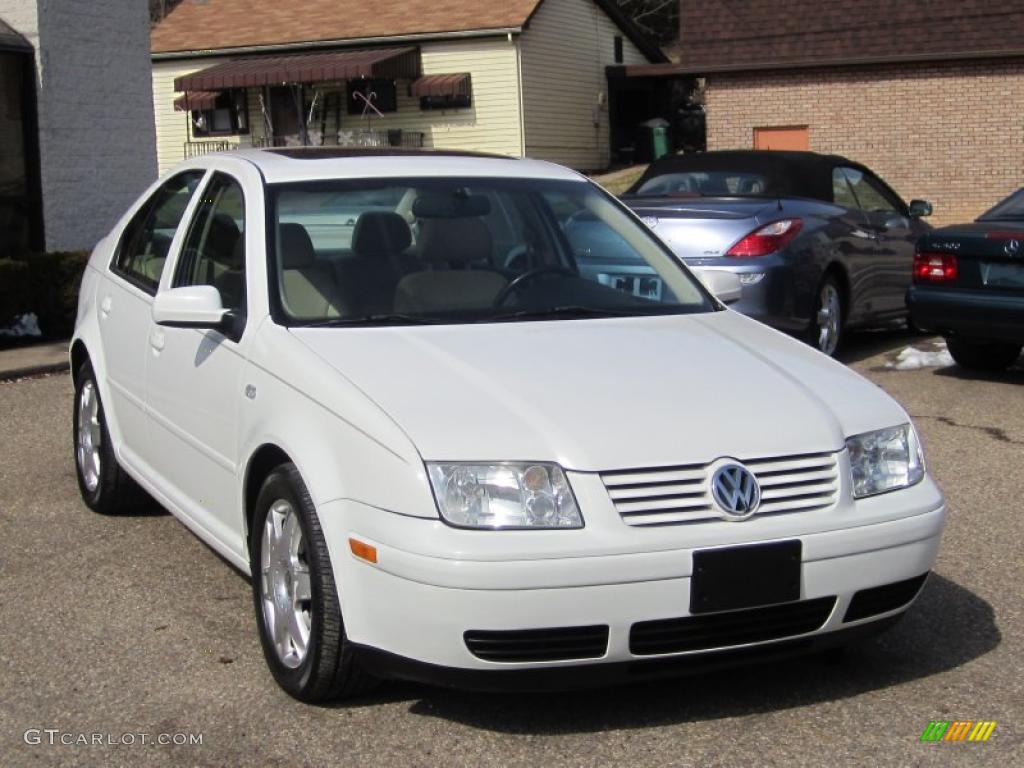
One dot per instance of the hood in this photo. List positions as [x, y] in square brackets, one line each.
[603, 394]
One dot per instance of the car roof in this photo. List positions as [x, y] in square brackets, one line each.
[281, 165]
[790, 173]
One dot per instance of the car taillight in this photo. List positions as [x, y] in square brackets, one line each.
[934, 267]
[767, 239]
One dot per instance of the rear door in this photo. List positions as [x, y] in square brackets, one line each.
[125, 300]
[895, 236]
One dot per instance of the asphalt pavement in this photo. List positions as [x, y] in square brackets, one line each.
[115, 628]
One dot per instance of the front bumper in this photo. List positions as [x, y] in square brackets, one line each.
[973, 314]
[409, 613]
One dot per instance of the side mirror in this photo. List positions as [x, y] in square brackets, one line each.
[920, 208]
[723, 284]
[191, 306]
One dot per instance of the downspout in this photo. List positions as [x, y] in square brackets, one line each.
[519, 86]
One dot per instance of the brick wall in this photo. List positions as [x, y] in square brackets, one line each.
[97, 140]
[949, 132]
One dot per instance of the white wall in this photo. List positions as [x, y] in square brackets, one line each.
[96, 134]
[565, 50]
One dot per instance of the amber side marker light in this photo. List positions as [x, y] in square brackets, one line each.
[362, 550]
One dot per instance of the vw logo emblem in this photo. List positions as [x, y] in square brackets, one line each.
[1012, 248]
[735, 490]
[650, 221]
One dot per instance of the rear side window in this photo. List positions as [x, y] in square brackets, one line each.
[146, 241]
[214, 250]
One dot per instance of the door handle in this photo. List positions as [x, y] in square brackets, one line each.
[106, 305]
[156, 339]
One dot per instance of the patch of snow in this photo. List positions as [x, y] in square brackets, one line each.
[24, 325]
[913, 359]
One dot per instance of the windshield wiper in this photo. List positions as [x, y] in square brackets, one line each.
[394, 318]
[570, 311]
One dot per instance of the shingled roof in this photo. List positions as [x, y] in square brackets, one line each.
[722, 35]
[216, 25]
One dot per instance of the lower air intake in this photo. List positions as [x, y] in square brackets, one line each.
[888, 597]
[720, 630]
[518, 645]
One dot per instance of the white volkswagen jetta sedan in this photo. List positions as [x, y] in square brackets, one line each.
[450, 444]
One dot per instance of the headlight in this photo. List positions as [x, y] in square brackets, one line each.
[509, 495]
[885, 460]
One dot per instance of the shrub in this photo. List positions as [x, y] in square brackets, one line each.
[44, 283]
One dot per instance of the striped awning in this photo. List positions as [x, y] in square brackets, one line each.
[256, 71]
[196, 100]
[456, 84]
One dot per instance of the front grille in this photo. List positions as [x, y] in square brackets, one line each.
[676, 495]
[720, 630]
[888, 597]
[561, 644]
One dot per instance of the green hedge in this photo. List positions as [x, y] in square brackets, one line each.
[44, 283]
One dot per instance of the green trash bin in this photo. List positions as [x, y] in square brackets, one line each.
[659, 142]
[653, 141]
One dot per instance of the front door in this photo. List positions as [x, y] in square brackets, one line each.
[895, 236]
[193, 379]
[284, 115]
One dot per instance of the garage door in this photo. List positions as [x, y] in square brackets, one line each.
[793, 137]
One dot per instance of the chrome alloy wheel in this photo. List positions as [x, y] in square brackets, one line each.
[830, 318]
[284, 584]
[90, 436]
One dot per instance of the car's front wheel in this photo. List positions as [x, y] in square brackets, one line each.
[105, 487]
[982, 355]
[296, 598]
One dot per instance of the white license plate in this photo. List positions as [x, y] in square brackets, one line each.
[998, 275]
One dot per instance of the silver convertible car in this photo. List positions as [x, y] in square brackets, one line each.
[820, 243]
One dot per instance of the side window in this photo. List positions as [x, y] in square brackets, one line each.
[841, 192]
[871, 195]
[214, 250]
[146, 240]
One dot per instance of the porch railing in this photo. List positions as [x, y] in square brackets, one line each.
[387, 138]
[198, 148]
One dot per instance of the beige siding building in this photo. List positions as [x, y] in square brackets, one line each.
[525, 78]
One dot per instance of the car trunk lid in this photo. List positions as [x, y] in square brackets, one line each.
[701, 228]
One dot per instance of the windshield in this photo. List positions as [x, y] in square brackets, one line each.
[1010, 209]
[704, 184]
[465, 251]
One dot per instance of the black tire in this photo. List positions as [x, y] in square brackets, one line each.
[983, 355]
[108, 490]
[328, 670]
[830, 343]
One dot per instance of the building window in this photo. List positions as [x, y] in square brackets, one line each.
[446, 102]
[379, 92]
[229, 116]
[618, 49]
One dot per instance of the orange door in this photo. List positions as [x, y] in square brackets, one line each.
[793, 137]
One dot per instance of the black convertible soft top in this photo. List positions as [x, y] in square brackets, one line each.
[788, 174]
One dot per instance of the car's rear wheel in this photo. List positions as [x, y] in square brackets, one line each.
[826, 331]
[983, 355]
[296, 598]
[104, 485]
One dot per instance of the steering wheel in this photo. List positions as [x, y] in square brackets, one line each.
[529, 277]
